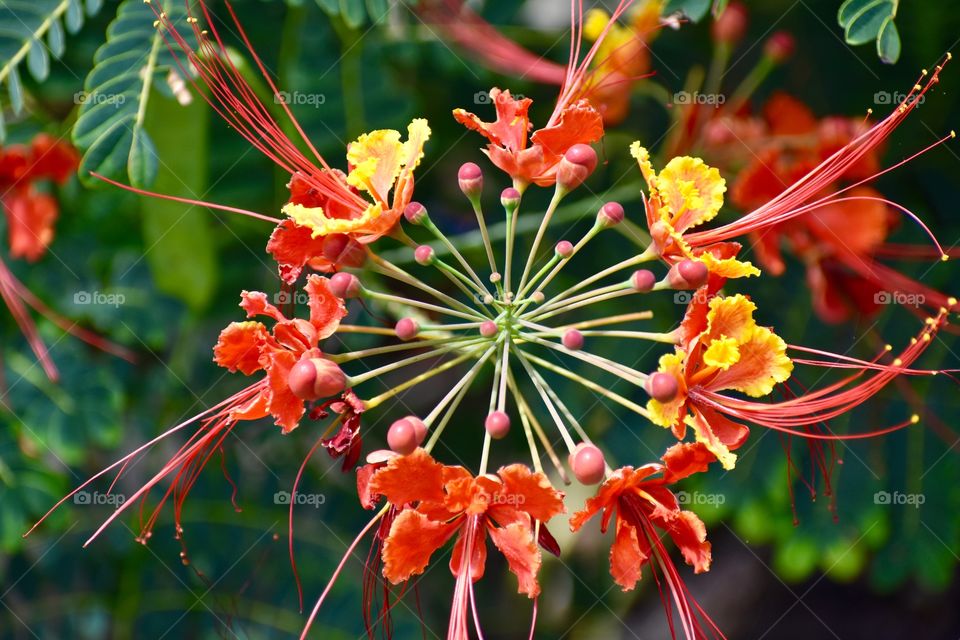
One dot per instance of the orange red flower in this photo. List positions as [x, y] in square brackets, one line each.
[250, 347]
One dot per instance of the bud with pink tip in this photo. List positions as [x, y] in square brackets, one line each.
[345, 285]
[419, 427]
[407, 329]
[497, 425]
[316, 378]
[576, 166]
[643, 280]
[610, 214]
[415, 213]
[471, 180]
[688, 274]
[564, 249]
[572, 339]
[780, 47]
[489, 329]
[342, 250]
[731, 25]
[587, 463]
[662, 387]
[424, 254]
[402, 437]
[510, 198]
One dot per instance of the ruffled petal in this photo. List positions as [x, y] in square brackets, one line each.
[255, 304]
[376, 159]
[763, 364]
[286, 408]
[718, 434]
[531, 492]
[691, 191]
[326, 309]
[511, 126]
[292, 246]
[412, 540]
[30, 220]
[626, 558]
[411, 478]
[579, 123]
[515, 541]
[238, 347]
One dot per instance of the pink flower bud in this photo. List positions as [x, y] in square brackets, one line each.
[423, 254]
[510, 198]
[497, 425]
[572, 339]
[610, 214]
[471, 180]
[587, 463]
[576, 166]
[415, 213]
[316, 378]
[688, 274]
[662, 387]
[407, 329]
[731, 25]
[343, 251]
[643, 280]
[402, 437]
[345, 285]
[564, 249]
[489, 329]
[419, 428]
[780, 46]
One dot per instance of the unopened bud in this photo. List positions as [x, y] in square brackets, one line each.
[643, 280]
[407, 329]
[402, 437]
[342, 250]
[576, 166]
[662, 387]
[610, 214]
[587, 463]
[731, 25]
[497, 425]
[316, 378]
[345, 285]
[780, 46]
[424, 254]
[688, 274]
[510, 198]
[572, 339]
[564, 249]
[415, 213]
[471, 180]
[489, 329]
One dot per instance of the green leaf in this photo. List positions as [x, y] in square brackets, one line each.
[23, 26]
[888, 42]
[693, 9]
[110, 124]
[866, 20]
[180, 244]
[354, 13]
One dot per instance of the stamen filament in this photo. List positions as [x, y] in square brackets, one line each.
[412, 382]
[355, 381]
[544, 223]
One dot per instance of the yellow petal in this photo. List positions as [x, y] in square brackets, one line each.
[762, 365]
[704, 434]
[691, 190]
[376, 158]
[722, 353]
[727, 267]
[321, 225]
[595, 23]
[642, 157]
[732, 317]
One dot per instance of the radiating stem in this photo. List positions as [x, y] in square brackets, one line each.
[544, 223]
[556, 264]
[526, 410]
[432, 228]
[538, 383]
[586, 295]
[453, 398]
[488, 247]
[399, 364]
[512, 214]
[624, 290]
[340, 358]
[606, 393]
[599, 322]
[629, 374]
[393, 271]
[412, 382]
[388, 297]
[648, 255]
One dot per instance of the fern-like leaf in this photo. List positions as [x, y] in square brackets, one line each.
[133, 60]
[32, 31]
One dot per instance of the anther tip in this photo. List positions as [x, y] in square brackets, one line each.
[914, 419]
